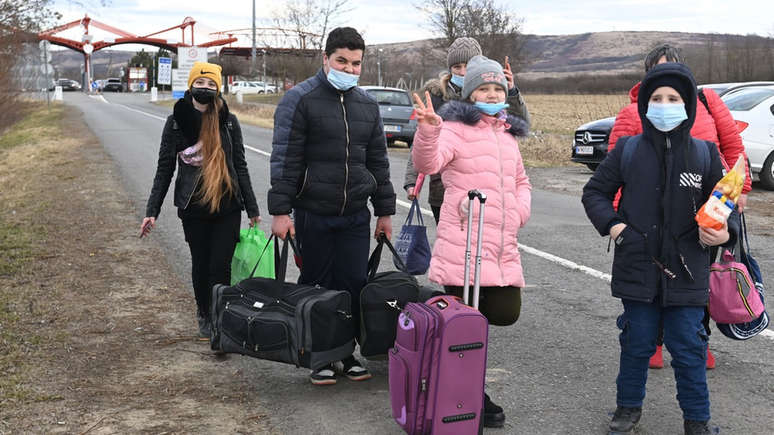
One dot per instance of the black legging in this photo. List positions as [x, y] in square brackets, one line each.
[500, 305]
[212, 241]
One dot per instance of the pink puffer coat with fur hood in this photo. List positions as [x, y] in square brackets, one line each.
[474, 151]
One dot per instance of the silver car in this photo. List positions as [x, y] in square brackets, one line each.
[398, 114]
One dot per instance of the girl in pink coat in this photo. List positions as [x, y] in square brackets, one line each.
[472, 144]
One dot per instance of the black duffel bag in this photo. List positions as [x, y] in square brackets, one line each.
[271, 319]
[382, 300]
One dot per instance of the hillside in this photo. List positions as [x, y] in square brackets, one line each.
[552, 55]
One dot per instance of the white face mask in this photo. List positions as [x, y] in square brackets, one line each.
[666, 116]
[341, 80]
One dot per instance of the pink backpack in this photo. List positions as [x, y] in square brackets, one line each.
[733, 297]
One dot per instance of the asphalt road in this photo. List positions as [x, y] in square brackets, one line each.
[553, 372]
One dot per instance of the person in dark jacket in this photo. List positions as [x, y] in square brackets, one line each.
[448, 87]
[329, 156]
[204, 140]
[661, 262]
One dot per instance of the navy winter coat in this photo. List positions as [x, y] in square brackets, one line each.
[665, 185]
[329, 153]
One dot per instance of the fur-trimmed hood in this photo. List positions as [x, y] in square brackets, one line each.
[468, 114]
[441, 87]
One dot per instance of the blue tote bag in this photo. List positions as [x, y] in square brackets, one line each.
[412, 245]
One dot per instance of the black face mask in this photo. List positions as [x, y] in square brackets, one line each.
[203, 95]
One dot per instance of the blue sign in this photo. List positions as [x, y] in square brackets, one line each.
[165, 71]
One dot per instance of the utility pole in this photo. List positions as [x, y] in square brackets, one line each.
[379, 64]
[263, 56]
[252, 55]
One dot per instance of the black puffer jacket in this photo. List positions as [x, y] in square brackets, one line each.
[665, 185]
[329, 153]
[181, 131]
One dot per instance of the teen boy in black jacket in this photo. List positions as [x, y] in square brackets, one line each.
[329, 156]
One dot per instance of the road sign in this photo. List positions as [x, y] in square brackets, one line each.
[45, 45]
[165, 71]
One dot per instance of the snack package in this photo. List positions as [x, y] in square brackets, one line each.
[714, 213]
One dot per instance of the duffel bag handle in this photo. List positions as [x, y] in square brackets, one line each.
[376, 256]
[281, 262]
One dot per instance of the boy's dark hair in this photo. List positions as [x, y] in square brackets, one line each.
[672, 53]
[344, 37]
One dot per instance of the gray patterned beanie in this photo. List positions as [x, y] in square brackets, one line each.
[480, 71]
[462, 50]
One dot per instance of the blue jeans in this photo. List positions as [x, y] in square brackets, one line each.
[334, 252]
[686, 339]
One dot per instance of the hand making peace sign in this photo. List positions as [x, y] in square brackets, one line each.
[426, 114]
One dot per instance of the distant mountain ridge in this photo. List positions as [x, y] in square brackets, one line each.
[552, 55]
[597, 52]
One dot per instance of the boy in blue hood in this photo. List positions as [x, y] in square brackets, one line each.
[662, 258]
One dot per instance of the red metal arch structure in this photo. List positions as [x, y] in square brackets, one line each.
[124, 37]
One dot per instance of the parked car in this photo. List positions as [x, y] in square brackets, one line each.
[245, 88]
[589, 145]
[753, 110]
[113, 85]
[398, 113]
[265, 88]
[67, 85]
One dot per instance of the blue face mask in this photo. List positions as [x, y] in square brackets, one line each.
[341, 80]
[666, 116]
[491, 109]
[458, 80]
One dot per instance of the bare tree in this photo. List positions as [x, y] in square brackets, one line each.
[311, 20]
[494, 26]
[20, 20]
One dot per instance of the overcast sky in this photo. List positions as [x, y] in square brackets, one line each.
[386, 21]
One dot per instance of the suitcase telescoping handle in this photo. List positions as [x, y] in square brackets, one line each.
[473, 301]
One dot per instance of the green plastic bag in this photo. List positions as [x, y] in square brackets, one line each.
[251, 253]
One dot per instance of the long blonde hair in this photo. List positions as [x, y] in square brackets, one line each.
[215, 178]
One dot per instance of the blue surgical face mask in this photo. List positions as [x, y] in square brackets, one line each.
[666, 116]
[341, 80]
[491, 108]
[458, 80]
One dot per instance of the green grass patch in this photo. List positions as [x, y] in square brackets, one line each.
[41, 123]
[20, 344]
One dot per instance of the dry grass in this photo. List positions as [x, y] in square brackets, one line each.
[562, 114]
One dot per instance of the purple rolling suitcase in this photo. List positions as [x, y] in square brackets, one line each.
[438, 364]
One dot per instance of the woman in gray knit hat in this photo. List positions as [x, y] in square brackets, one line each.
[448, 87]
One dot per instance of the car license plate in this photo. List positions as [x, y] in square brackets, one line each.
[584, 150]
[392, 128]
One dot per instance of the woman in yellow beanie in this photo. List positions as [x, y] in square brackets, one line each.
[204, 140]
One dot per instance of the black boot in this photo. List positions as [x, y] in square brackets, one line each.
[205, 325]
[625, 420]
[696, 427]
[493, 414]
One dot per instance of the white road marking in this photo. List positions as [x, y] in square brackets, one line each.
[142, 113]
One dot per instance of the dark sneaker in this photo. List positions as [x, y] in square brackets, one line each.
[493, 414]
[696, 427]
[323, 376]
[624, 420]
[352, 369]
[205, 329]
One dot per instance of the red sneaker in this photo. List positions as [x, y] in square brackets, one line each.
[710, 359]
[657, 360]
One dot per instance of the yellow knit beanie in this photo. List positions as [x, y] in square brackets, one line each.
[207, 70]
